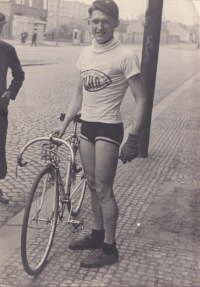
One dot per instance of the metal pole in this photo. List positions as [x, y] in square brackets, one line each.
[150, 53]
[57, 22]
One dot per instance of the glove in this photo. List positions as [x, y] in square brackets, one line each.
[129, 150]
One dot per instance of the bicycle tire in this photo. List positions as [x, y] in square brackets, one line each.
[77, 186]
[38, 227]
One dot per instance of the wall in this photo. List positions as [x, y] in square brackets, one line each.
[5, 7]
[27, 24]
[178, 31]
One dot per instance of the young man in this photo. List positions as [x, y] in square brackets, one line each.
[8, 59]
[107, 69]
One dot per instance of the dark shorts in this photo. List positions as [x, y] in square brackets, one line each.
[93, 132]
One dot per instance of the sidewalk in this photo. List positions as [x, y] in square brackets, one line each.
[159, 201]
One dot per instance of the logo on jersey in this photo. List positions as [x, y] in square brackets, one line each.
[94, 80]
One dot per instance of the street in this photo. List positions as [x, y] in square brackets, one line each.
[50, 79]
[47, 90]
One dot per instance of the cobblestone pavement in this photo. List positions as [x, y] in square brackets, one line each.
[172, 163]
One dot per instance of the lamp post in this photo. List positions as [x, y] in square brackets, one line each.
[150, 53]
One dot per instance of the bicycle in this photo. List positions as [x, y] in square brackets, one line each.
[49, 195]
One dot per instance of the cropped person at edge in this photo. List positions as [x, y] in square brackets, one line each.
[8, 59]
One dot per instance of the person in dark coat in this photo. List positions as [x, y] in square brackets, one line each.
[34, 37]
[8, 59]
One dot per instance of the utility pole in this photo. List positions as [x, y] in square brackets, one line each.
[150, 53]
[57, 21]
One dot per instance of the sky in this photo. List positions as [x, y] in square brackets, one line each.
[173, 10]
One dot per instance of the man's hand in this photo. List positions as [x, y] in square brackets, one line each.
[129, 150]
[6, 95]
[59, 131]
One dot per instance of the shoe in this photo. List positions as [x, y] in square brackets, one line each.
[3, 198]
[87, 242]
[100, 259]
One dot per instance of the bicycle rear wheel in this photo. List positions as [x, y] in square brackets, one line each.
[77, 186]
[39, 222]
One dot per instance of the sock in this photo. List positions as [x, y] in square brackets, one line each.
[98, 234]
[109, 248]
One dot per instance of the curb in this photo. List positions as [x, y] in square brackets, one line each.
[37, 64]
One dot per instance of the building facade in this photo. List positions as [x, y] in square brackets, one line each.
[171, 32]
[177, 33]
[65, 10]
[71, 9]
[24, 16]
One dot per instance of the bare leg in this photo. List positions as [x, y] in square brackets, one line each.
[100, 165]
[87, 150]
[105, 170]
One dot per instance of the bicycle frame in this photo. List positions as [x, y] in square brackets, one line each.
[72, 139]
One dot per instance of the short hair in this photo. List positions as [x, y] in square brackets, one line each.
[91, 9]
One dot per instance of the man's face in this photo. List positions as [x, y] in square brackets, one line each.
[102, 26]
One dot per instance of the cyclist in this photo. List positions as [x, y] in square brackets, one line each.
[107, 69]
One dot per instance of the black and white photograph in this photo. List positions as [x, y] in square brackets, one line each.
[100, 143]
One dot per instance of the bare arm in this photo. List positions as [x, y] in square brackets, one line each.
[129, 150]
[73, 109]
[137, 89]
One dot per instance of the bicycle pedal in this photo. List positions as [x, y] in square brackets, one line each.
[76, 224]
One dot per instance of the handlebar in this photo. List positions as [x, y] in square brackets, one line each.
[52, 139]
[77, 118]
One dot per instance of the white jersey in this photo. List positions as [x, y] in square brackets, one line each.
[105, 69]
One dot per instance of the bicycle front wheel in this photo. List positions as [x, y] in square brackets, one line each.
[39, 222]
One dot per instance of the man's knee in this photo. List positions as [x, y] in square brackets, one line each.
[104, 191]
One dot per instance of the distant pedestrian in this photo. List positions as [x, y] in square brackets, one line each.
[34, 37]
[8, 59]
[26, 36]
[23, 37]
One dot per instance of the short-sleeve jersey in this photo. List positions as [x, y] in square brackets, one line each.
[105, 69]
